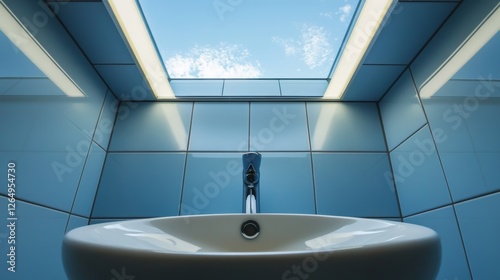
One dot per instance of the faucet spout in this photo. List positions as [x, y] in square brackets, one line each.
[251, 174]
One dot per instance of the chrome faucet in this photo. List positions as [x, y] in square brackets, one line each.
[251, 174]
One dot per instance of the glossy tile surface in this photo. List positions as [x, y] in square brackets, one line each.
[467, 136]
[220, 127]
[286, 183]
[354, 184]
[75, 222]
[152, 127]
[192, 88]
[443, 221]
[95, 33]
[87, 187]
[251, 88]
[479, 220]
[134, 87]
[372, 82]
[418, 174]
[405, 31]
[38, 235]
[484, 64]
[401, 111]
[278, 127]
[135, 185]
[335, 126]
[213, 184]
[48, 178]
[104, 128]
[303, 87]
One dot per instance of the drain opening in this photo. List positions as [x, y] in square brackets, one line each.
[250, 229]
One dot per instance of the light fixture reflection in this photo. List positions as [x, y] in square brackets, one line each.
[23, 40]
[130, 21]
[367, 25]
[475, 42]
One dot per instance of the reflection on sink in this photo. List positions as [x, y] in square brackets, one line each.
[287, 247]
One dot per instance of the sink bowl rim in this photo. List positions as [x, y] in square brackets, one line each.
[72, 240]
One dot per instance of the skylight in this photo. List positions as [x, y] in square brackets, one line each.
[249, 39]
[279, 48]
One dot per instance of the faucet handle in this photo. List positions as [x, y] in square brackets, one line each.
[251, 177]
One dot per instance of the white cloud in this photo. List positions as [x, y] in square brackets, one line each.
[313, 46]
[223, 61]
[344, 12]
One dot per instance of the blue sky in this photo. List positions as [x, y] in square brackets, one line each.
[248, 38]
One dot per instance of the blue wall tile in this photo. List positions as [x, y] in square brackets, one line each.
[479, 220]
[220, 127]
[278, 127]
[152, 127]
[405, 33]
[286, 183]
[354, 184]
[418, 174]
[134, 87]
[453, 261]
[48, 178]
[140, 185]
[99, 32]
[76, 222]
[197, 87]
[213, 184]
[336, 126]
[106, 121]
[89, 182]
[372, 82]
[303, 87]
[401, 111]
[484, 64]
[468, 141]
[251, 88]
[448, 127]
[38, 232]
[451, 35]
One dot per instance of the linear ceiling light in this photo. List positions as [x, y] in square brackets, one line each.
[473, 44]
[367, 24]
[23, 40]
[130, 20]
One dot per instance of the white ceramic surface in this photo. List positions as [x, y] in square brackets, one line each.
[288, 247]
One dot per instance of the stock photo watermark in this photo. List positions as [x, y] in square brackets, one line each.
[223, 6]
[11, 217]
[122, 275]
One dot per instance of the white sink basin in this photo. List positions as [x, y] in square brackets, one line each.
[288, 246]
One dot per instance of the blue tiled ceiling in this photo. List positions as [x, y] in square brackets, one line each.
[406, 31]
[410, 26]
[95, 32]
[372, 81]
[125, 81]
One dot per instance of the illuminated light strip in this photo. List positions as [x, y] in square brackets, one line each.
[130, 20]
[475, 42]
[23, 40]
[369, 21]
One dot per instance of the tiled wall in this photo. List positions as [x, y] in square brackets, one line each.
[182, 158]
[445, 156]
[444, 147]
[58, 145]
